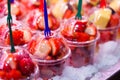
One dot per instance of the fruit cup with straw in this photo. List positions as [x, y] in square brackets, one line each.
[49, 51]
[81, 37]
[15, 62]
[107, 22]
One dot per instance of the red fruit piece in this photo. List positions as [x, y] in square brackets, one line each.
[10, 63]
[17, 37]
[79, 26]
[26, 66]
[106, 36]
[81, 37]
[31, 46]
[55, 44]
[91, 30]
[114, 21]
[2, 74]
[13, 75]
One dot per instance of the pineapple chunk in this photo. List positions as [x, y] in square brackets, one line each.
[94, 2]
[59, 9]
[102, 18]
[115, 5]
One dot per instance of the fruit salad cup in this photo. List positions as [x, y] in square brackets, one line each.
[17, 65]
[50, 54]
[81, 38]
[21, 34]
[107, 22]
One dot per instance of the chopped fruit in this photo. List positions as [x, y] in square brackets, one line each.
[27, 35]
[53, 23]
[68, 13]
[26, 66]
[59, 10]
[10, 63]
[43, 49]
[106, 36]
[115, 5]
[102, 17]
[55, 44]
[91, 30]
[31, 46]
[81, 37]
[15, 9]
[13, 74]
[19, 37]
[80, 26]
[2, 74]
[114, 21]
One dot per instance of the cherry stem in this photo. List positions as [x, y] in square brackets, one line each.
[9, 21]
[102, 3]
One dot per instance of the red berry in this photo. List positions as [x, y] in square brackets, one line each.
[26, 66]
[83, 37]
[79, 26]
[17, 37]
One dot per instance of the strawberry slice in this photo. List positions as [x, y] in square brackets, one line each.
[56, 45]
[17, 37]
[31, 46]
[15, 9]
[91, 30]
[81, 37]
[43, 49]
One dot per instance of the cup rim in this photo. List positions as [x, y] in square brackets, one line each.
[81, 43]
[109, 28]
[52, 61]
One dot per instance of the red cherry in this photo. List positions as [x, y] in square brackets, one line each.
[79, 26]
[26, 66]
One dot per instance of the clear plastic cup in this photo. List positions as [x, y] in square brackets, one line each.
[50, 63]
[82, 52]
[108, 34]
[18, 63]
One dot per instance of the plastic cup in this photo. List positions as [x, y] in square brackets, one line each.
[108, 34]
[82, 53]
[50, 65]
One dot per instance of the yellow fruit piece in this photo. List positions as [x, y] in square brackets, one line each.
[94, 2]
[102, 18]
[115, 5]
[59, 9]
